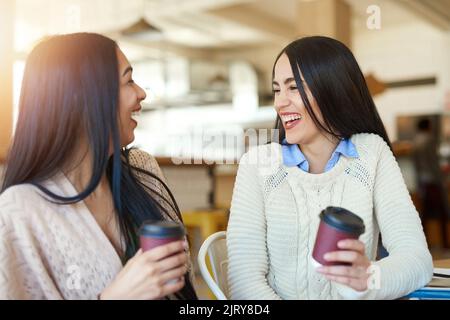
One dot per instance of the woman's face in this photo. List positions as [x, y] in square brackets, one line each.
[298, 124]
[130, 97]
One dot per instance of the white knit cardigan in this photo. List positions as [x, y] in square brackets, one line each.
[275, 216]
[51, 251]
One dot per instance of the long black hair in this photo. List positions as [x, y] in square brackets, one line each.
[338, 85]
[70, 91]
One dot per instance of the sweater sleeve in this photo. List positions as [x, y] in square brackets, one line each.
[144, 160]
[10, 287]
[409, 264]
[23, 274]
[246, 238]
[154, 187]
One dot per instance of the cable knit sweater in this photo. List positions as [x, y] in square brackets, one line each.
[275, 216]
[51, 251]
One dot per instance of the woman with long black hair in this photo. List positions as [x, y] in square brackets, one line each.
[332, 150]
[74, 195]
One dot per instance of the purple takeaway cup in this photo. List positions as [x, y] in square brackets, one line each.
[156, 233]
[336, 224]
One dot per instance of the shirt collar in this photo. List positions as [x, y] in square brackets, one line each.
[346, 148]
[293, 156]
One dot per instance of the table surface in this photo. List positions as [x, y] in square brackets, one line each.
[442, 263]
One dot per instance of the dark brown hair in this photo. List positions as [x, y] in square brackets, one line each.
[70, 91]
[338, 85]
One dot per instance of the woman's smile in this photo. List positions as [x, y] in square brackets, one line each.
[135, 114]
[290, 119]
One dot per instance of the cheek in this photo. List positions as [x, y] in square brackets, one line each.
[298, 102]
[123, 114]
[310, 126]
[127, 97]
[315, 109]
[126, 104]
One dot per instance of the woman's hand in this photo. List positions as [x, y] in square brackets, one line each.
[355, 276]
[150, 275]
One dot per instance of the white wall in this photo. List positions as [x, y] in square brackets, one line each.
[401, 52]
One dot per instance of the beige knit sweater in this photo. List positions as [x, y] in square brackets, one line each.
[275, 217]
[50, 251]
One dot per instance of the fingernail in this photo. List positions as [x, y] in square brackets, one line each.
[341, 243]
[326, 256]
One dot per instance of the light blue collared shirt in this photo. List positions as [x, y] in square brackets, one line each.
[293, 156]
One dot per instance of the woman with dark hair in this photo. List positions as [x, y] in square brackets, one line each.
[74, 195]
[333, 150]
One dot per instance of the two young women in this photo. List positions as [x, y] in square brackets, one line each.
[74, 196]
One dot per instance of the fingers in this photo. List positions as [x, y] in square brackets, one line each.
[168, 282]
[171, 287]
[186, 243]
[155, 262]
[151, 274]
[163, 251]
[153, 291]
[352, 245]
[172, 262]
[132, 261]
[173, 274]
[344, 271]
[342, 256]
[356, 284]
[354, 276]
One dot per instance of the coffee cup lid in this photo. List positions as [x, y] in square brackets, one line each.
[161, 229]
[343, 219]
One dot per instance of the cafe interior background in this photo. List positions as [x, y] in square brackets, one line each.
[206, 67]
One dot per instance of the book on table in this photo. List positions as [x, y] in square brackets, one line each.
[438, 288]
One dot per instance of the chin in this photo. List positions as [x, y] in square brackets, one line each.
[126, 141]
[293, 139]
[129, 141]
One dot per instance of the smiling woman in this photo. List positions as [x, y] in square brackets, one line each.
[130, 97]
[74, 195]
[333, 151]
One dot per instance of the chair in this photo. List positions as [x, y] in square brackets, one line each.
[208, 221]
[216, 249]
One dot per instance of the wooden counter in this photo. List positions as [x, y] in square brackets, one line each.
[445, 263]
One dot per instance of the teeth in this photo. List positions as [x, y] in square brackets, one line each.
[291, 117]
[135, 115]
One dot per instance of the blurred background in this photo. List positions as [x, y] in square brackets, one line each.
[206, 67]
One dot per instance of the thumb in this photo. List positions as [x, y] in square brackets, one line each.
[136, 255]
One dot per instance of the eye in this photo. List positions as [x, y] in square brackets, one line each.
[131, 81]
[275, 91]
[293, 88]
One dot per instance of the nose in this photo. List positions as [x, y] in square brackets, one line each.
[281, 100]
[141, 94]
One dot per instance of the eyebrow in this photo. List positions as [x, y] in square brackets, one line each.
[128, 69]
[288, 80]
